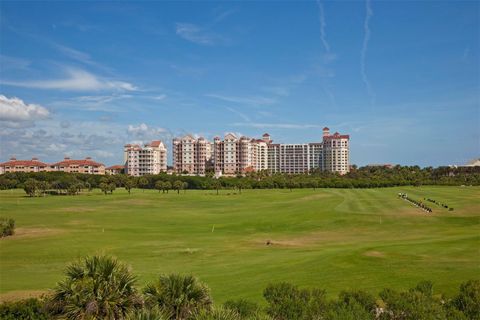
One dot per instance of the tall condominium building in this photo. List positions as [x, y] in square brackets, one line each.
[234, 155]
[336, 152]
[149, 159]
[190, 155]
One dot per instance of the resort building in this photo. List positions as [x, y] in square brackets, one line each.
[234, 155]
[14, 165]
[115, 169]
[191, 155]
[336, 152]
[87, 166]
[149, 159]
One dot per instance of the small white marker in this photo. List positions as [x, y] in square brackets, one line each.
[213, 228]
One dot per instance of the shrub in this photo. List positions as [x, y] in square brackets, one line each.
[29, 309]
[7, 227]
[97, 287]
[181, 296]
[243, 307]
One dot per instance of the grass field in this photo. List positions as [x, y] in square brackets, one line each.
[331, 238]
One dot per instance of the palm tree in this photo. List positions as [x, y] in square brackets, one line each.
[180, 295]
[218, 313]
[97, 287]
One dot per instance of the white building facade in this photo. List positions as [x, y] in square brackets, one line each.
[149, 159]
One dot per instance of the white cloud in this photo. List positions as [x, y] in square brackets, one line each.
[76, 80]
[198, 35]
[143, 131]
[363, 53]
[250, 100]
[16, 110]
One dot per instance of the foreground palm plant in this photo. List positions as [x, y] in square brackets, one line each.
[96, 287]
[180, 295]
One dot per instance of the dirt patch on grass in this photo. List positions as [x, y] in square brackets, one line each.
[307, 240]
[25, 233]
[373, 253]
[134, 202]
[21, 294]
[76, 209]
[314, 197]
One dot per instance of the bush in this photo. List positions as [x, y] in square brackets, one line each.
[7, 227]
[29, 309]
[243, 307]
[181, 296]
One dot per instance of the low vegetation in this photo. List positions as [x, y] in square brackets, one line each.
[101, 287]
[7, 227]
[41, 183]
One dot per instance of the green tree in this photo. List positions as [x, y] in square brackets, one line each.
[216, 184]
[178, 185]
[182, 296]
[159, 186]
[43, 186]
[30, 187]
[167, 185]
[129, 183]
[105, 187]
[142, 183]
[97, 287]
[468, 299]
[111, 187]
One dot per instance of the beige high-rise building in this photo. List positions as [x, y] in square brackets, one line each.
[234, 155]
[190, 155]
[149, 159]
[336, 152]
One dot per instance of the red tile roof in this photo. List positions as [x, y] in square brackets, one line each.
[155, 143]
[25, 163]
[336, 135]
[115, 167]
[85, 162]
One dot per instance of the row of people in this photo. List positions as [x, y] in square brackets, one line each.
[438, 203]
[416, 203]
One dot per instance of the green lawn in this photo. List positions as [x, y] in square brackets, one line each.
[330, 238]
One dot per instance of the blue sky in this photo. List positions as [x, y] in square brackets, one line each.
[84, 78]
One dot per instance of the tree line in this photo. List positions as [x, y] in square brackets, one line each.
[42, 183]
[101, 287]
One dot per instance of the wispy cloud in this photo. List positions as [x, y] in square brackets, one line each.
[366, 39]
[276, 125]
[323, 24]
[249, 100]
[198, 35]
[7, 62]
[240, 114]
[322, 70]
[75, 80]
